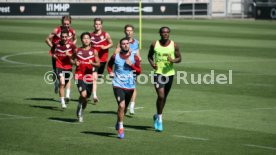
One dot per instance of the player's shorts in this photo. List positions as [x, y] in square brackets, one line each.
[54, 64]
[100, 69]
[82, 86]
[123, 94]
[67, 73]
[161, 81]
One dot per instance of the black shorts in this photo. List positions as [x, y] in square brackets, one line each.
[123, 94]
[54, 64]
[82, 86]
[161, 81]
[67, 73]
[100, 70]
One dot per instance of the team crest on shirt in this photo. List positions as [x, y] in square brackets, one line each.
[80, 53]
[92, 38]
[90, 53]
[102, 37]
[67, 45]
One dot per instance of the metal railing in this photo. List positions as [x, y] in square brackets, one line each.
[193, 9]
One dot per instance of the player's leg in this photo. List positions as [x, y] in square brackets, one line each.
[61, 87]
[95, 78]
[68, 77]
[168, 86]
[55, 79]
[128, 96]
[100, 70]
[82, 99]
[120, 98]
[132, 102]
[160, 101]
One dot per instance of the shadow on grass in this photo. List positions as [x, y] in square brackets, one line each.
[46, 107]
[128, 116]
[74, 100]
[105, 134]
[104, 112]
[41, 99]
[47, 99]
[139, 127]
[67, 120]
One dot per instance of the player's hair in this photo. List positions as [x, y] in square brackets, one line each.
[98, 19]
[85, 33]
[164, 27]
[64, 30]
[129, 25]
[66, 17]
[125, 38]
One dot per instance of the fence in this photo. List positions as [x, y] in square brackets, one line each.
[130, 8]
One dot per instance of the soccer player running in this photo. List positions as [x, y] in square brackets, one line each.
[162, 55]
[61, 54]
[53, 38]
[85, 58]
[134, 46]
[101, 41]
[126, 63]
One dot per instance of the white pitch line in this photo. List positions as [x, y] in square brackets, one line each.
[189, 111]
[188, 137]
[138, 108]
[60, 121]
[222, 61]
[14, 116]
[125, 129]
[229, 61]
[260, 146]
[195, 111]
[260, 85]
[5, 59]
[21, 66]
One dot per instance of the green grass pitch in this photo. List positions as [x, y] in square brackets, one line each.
[238, 118]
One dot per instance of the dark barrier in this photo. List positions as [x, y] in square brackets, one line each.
[265, 10]
[86, 9]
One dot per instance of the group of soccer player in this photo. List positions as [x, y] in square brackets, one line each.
[123, 66]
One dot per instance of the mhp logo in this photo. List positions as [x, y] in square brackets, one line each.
[57, 7]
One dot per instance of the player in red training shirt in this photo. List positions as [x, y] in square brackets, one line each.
[53, 38]
[62, 53]
[101, 41]
[86, 59]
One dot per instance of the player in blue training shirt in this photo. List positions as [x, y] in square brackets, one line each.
[134, 47]
[125, 64]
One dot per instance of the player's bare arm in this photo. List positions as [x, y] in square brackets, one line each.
[177, 54]
[110, 43]
[73, 58]
[110, 66]
[97, 59]
[74, 38]
[150, 56]
[48, 40]
[138, 55]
